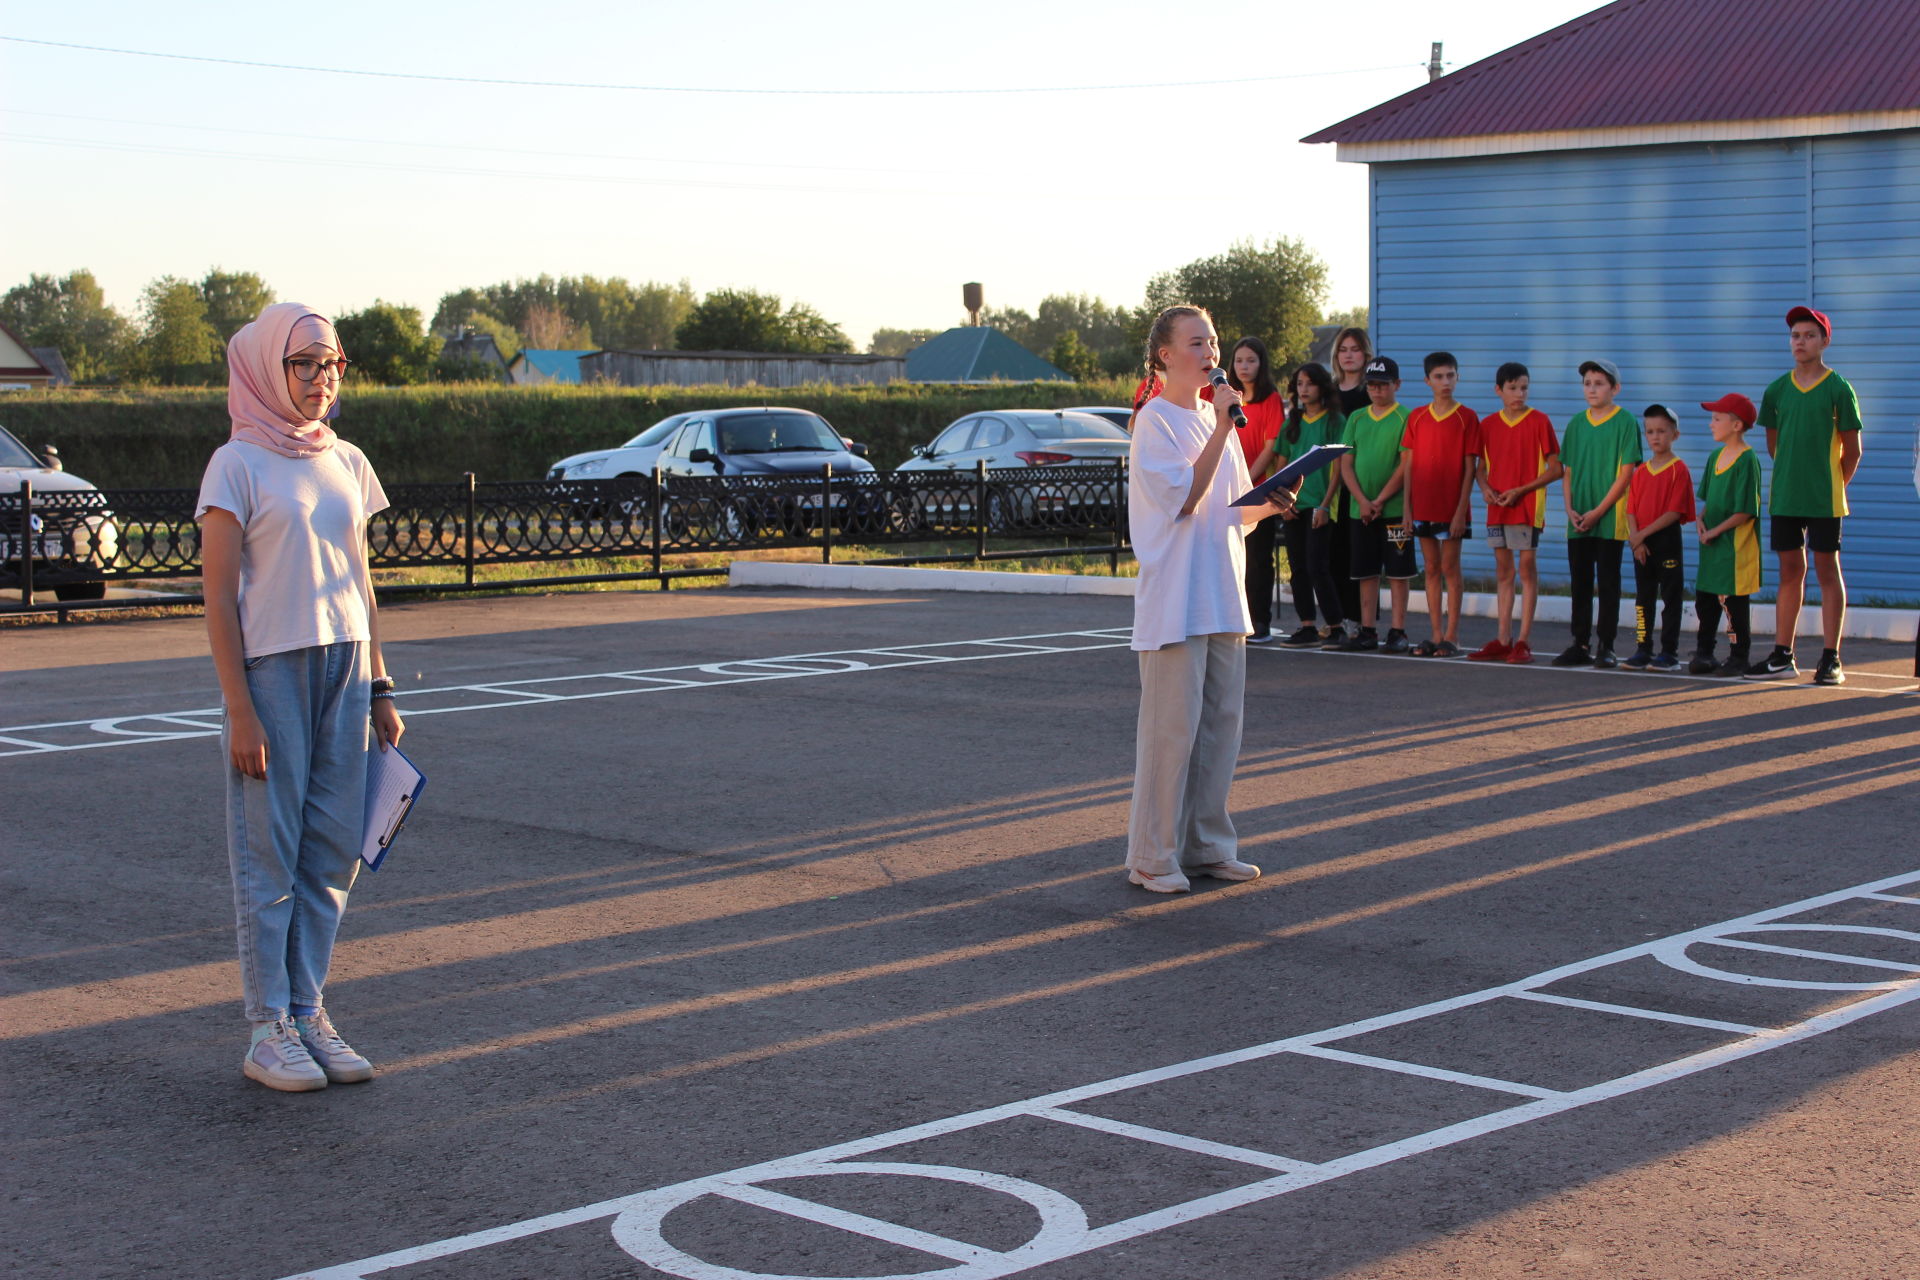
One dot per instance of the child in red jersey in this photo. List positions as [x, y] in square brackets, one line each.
[1659, 503]
[1442, 447]
[1519, 458]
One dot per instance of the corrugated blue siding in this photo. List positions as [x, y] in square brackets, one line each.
[1678, 263]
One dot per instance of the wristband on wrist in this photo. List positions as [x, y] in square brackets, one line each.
[383, 685]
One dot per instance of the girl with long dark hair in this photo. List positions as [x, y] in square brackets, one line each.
[1309, 530]
[1251, 371]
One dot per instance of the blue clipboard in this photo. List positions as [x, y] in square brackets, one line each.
[393, 786]
[1321, 455]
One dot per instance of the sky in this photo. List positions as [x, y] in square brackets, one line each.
[868, 188]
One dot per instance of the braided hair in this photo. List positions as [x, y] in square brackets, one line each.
[1159, 333]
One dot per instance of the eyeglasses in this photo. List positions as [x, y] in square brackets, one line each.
[307, 370]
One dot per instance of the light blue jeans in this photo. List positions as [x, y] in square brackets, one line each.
[293, 840]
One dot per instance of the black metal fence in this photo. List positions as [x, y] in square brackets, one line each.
[77, 543]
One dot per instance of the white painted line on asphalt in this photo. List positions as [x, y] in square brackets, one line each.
[1431, 1073]
[1635, 1011]
[115, 731]
[1178, 1141]
[639, 1221]
[1803, 954]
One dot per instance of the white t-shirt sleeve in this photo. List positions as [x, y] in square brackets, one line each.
[1159, 463]
[227, 484]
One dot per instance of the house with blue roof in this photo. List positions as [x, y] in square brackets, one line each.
[532, 368]
[977, 353]
[1657, 183]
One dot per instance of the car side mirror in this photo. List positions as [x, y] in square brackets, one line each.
[700, 455]
[53, 458]
[857, 449]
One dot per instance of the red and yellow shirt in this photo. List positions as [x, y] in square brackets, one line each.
[1442, 450]
[1264, 420]
[1514, 451]
[1651, 494]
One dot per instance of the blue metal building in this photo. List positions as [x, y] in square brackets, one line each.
[1742, 163]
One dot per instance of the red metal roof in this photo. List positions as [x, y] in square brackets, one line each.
[1651, 62]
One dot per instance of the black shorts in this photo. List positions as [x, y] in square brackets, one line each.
[1441, 529]
[1820, 534]
[1378, 552]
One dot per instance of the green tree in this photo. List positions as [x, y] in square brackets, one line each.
[1073, 358]
[1013, 322]
[1273, 292]
[233, 299]
[746, 320]
[610, 312]
[505, 336]
[897, 342]
[178, 346]
[389, 345]
[1351, 318]
[70, 314]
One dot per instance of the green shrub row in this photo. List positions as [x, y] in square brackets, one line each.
[161, 437]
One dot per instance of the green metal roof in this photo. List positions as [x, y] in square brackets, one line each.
[976, 353]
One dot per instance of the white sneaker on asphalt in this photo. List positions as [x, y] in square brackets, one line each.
[279, 1061]
[1172, 883]
[335, 1056]
[1231, 869]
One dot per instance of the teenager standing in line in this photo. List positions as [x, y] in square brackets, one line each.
[1190, 618]
[1252, 371]
[1352, 349]
[283, 516]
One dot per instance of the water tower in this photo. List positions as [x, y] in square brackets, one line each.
[976, 300]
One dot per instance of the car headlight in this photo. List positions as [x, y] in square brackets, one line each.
[591, 467]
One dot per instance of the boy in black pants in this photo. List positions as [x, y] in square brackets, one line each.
[1659, 503]
[1598, 449]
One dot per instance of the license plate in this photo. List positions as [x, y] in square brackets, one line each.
[48, 546]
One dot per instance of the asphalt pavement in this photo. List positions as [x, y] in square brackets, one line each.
[784, 933]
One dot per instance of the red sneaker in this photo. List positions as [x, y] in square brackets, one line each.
[1491, 651]
[1520, 654]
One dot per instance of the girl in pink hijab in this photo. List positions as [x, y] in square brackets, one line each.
[283, 517]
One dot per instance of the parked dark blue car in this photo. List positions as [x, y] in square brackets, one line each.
[774, 445]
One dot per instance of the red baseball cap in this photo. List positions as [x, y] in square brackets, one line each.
[1798, 314]
[1735, 403]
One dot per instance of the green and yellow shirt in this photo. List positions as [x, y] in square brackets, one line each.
[1730, 564]
[1375, 438]
[1806, 455]
[1593, 453]
[1324, 429]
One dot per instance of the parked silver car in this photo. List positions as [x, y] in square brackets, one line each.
[71, 530]
[1018, 439]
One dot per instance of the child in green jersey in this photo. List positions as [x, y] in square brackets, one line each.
[1374, 474]
[1729, 537]
[1599, 449]
[1812, 419]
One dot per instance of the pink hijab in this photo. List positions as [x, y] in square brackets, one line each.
[257, 400]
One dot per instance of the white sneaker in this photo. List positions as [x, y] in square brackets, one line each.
[1231, 869]
[335, 1056]
[1172, 883]
[279, 1061]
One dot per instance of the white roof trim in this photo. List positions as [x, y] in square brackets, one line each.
[1498, 144]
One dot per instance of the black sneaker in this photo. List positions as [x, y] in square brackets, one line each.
[1260, 637]
[1829, 670]
[1365, 640]
[1574, 655]
[1667, 662]
[1702, 664]
[1604, 659]
[1735, 665]
[1642, 659]
[1778, 665]
[1335, 639]
[1307, 637]
[1396, 641]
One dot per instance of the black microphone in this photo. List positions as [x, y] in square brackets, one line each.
[1218, 377]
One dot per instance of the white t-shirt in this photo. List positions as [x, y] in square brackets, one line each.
[1191, 567]
[303, 541]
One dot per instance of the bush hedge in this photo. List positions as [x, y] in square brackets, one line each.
[161, 437]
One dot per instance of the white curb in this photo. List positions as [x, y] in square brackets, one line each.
[1862, 623]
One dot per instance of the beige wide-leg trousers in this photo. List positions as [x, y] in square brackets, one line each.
[1192, 705]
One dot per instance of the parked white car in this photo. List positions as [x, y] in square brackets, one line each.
[634, 458]
[68, 531]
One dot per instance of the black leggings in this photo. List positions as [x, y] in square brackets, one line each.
[1320, 569]
[1293, 535]
[1661, 576]
[1260, 574]
[1707, 605]
[1591, 559]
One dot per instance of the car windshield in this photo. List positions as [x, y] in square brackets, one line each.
[1074, 426]
[13, 453]
[657, 433]
[777, 433]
